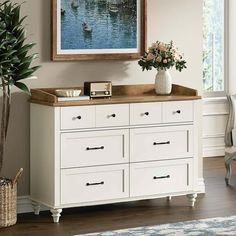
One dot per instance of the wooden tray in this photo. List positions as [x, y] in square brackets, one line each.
[121, 94]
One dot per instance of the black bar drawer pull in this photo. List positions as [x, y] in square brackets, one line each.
[161, 177]
[95, 148]
[112, 115]
[161, 143]
[93, 184]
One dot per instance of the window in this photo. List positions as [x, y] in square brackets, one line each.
[214, 50]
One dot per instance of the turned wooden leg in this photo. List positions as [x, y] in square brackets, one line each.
[168, 198]
[192, 199]
[56, 213]
[36, 207]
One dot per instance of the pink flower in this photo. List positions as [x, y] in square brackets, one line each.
[150, 57]
[158, 59]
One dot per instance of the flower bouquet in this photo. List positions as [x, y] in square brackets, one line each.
[162, 56]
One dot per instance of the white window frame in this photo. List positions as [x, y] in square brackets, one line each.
[226, 55]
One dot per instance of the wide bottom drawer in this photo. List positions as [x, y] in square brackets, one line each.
[94, 183]
[160, 177]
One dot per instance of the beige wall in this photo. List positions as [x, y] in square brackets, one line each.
[178, 20]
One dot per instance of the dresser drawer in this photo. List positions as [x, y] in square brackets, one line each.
[77, 117]
[160, 177]
[112, 115]
[180, 111]
[158, 143]
[145, 113]
[94, 148]
[94, 184]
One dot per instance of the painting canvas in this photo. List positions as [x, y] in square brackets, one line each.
[98, 29]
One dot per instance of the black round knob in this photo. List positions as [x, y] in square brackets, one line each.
[113, 115]
[178, 111]
[79, 117]
[146, 113]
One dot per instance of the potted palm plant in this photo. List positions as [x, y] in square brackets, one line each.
[15, 66]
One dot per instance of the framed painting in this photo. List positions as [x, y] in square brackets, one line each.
[98, 29]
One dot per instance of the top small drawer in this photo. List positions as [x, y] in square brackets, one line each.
[112, 115]
[179, 111]
[77, 117]
[145, 113]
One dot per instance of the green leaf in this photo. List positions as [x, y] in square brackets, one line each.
[16, 15]
[25, 73]
[22, 87]
[22, 52]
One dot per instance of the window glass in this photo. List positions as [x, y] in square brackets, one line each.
[213, 46]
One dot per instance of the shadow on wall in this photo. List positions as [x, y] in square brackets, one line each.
[75, 73]
[17, 148]
[97, 71]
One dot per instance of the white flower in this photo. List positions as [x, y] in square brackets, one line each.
[154, 45]
[165, 61]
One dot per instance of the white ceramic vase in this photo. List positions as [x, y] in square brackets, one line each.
[163, 82]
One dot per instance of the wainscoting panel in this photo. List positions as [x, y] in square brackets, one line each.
[215, 114]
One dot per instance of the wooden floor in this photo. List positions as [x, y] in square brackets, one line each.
[219, 200]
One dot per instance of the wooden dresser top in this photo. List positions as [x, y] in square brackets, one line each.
[121, 94]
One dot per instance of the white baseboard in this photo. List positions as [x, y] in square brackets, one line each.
[213, 151]
[24, 205]
[24, 202]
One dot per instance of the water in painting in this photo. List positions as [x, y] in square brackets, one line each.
[98, 24]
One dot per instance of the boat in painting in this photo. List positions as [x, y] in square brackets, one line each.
[74, 4]
[63, 12]
[86, 28]
[102, 2]
[113, 9]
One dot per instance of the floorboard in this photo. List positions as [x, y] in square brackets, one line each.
[219, 200]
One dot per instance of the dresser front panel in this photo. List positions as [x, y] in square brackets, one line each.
[112, 115]
[92, 148]
[96, 154]
[179, 111]
[94, 184]
[158, 143]
[145, 113]
[160, 177]
[77, 117]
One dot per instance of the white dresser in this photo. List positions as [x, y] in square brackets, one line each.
[131, 147]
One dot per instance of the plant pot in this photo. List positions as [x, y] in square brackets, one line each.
[163, 82]
[8, 199]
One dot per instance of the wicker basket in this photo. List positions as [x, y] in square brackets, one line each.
[8, 209]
